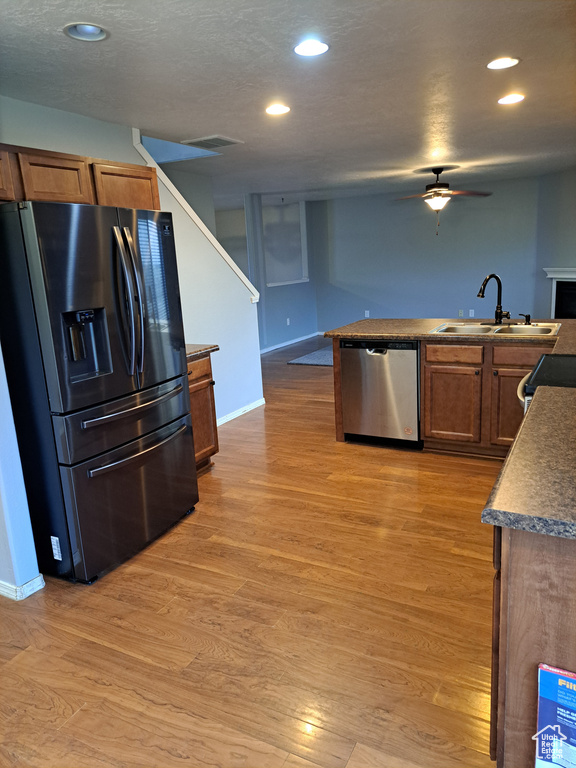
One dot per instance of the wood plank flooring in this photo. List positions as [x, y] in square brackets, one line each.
[327, 604]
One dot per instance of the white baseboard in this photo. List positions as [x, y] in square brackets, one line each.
[19, 593]
[292, 341]
[240, 411]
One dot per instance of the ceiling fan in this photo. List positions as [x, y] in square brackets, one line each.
[438, 194]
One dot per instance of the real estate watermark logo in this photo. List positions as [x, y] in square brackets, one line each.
[549, 743]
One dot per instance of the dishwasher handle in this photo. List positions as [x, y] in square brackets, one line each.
[378, 346]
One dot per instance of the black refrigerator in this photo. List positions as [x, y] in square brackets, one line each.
[93, 344]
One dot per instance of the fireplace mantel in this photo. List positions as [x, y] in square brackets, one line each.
[561, 273]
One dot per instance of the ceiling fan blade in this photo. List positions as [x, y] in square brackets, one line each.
[440, 189]
[469, 193]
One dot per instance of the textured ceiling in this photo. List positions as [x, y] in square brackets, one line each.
[403, 86]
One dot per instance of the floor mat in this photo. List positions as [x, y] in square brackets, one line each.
[319, 357]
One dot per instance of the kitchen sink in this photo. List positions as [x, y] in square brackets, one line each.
[463, 328]
[477, 329]
[536, 329]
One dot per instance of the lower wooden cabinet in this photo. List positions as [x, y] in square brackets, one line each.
[452, 392]
[506, 413]
[468, 399]
[202, 411]
[534, 609]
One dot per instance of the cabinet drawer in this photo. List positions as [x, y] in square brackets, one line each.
[512, 354]
[454, 353]
[199, 369]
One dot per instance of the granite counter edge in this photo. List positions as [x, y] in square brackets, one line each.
[194, 351]
[544, 525]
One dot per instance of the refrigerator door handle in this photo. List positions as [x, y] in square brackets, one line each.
[131, 411]
[130, 285]
[139, 295]
[116, 464]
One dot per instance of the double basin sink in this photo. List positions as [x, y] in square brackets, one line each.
[481, 329]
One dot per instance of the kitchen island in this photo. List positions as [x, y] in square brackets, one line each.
[533, 510]
[468, 383]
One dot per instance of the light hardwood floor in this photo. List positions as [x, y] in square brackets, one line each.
[327, 604]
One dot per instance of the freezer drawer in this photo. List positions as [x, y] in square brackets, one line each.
[103, 427]
[123, 499]
[380, 389]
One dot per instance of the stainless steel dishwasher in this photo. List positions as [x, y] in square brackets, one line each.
[380, 388]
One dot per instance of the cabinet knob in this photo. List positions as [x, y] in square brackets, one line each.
[477, 373]
[494, 373]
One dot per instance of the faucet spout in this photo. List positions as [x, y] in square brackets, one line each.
[499, 313]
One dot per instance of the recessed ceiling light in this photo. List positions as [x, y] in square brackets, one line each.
[512, 98]
[503, 63]
[311, 47]
[277, 109]
[83, 30]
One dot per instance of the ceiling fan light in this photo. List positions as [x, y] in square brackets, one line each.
[437, 202]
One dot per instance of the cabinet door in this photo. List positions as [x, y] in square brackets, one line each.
[506, 411]
[124, 187]
[452, 402]
[56, 179]
[202, 411]
[6, 185]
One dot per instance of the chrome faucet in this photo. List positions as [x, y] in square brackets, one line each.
[499, 313]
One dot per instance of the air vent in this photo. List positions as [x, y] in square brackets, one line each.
[211, 142]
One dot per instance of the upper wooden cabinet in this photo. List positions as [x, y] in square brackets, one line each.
[135, 187]
[30, 174]
[6, 183]
[58, 179]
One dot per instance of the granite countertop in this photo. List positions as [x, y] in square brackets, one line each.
[199, 350]
[419, 329]
[373, 328]
[536, 488]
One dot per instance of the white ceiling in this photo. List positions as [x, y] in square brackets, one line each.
[403, 86]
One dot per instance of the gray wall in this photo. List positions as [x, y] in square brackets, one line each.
[296, 302]
[383, 256]
[231, 232]
[30, 125]
[18, 564]
[197, 190]
[556, 239]
[377, 254]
